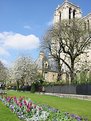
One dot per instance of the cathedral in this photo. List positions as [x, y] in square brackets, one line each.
[47, 65]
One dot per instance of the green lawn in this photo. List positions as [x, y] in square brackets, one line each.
[6, 114]
[79, 107]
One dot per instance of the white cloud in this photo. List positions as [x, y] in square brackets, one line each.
[27, 27]
[4, 52]
[18, 41]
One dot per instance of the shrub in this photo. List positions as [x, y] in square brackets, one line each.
[33, 87]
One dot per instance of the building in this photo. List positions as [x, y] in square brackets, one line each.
[65, 11]
[47, 67]
[68, 10]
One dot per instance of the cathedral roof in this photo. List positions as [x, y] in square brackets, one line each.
[67, 2]
[51, 63]
[87, 16]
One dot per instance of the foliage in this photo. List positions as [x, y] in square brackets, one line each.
[33, 87]
[11, 84]
[36, 86]
[89, 78]
[61, 82]
[83, 77]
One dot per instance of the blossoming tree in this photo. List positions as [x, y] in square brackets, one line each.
[23, 71]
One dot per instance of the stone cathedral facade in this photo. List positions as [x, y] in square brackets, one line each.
[65, 11]
[69, 11]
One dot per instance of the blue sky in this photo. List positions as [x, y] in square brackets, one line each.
[24, 22]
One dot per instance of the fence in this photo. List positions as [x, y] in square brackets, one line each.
[69, 89]
[83, 89]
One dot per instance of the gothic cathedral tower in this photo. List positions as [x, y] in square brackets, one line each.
[67, 11]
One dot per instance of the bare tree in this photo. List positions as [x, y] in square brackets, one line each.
[24, 70]
[67, 39]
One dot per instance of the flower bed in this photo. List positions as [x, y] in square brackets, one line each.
[26, 110]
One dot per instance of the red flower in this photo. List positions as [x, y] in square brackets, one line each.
[25, 102]
[20, 104]
[40, 108]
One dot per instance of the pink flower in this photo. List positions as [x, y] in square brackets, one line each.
[20, 104]
[34, 106]
[28, 110]
[25, 102]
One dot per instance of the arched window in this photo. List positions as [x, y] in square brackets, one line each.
[74, 13]
[88, 24]
[53, 76]
[59, 16]
[70, 13]
[46, 65]
[85, 25]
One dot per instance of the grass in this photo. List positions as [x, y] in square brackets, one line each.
[74, 106]
[6, 114]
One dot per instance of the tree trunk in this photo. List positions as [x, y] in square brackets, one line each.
[17, 85]
[72, 71]
[59, 71]
[22, 80]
